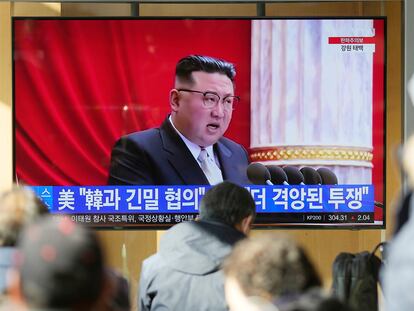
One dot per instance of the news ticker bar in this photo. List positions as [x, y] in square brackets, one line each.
[301, 199]
[317, 218]
[114, 220]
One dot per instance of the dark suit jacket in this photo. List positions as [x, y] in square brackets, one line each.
[160, 157]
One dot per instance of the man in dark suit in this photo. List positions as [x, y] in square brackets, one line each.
[189, 147]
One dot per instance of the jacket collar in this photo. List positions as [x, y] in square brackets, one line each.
[183, 161]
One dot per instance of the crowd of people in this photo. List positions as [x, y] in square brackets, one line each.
[211, 263]
[51, 263]
[55, 264]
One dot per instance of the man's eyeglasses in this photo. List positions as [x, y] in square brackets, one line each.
[211, 100]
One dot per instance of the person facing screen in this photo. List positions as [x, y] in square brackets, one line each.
[185, 274]
[59, 266]
[18, 208]
[272, 272]
[189, 147]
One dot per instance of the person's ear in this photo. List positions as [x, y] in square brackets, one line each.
[174, 100]
[246, 224]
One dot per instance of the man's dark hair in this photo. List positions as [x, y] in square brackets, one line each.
[61, 265]
[187, 65]
[227, 203]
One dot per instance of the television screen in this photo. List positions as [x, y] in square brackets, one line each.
[311, 90]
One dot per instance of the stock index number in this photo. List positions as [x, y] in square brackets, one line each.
[338, 217]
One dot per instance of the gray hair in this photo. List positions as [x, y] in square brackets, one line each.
[18, 207]
[271, 265]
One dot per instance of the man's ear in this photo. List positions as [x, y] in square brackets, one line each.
[174, 100]
[246, 224]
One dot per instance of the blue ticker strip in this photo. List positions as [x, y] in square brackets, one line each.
[186, 199]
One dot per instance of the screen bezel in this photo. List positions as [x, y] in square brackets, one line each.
[257, 226]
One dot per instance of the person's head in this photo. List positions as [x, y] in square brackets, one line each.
[203, 99]
[18, 208]
[230, 204]
[268, 266]
[60, 265]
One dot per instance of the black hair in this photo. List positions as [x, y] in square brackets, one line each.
[187, 65]
[72, 277]
[228, 203]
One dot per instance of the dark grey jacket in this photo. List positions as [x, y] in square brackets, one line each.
[185, 274]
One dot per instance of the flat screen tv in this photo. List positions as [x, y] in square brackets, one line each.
[312, 94]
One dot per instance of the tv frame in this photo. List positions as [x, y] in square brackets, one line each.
[301, 226]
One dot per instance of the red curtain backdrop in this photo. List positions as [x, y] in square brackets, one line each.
[81, 84]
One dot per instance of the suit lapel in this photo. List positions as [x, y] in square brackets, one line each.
[228, 168]
[180, 157]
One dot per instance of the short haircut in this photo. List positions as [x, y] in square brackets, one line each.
[271, 264]
[18, 207]
[60, 264]
[187, 65]
[228, 203]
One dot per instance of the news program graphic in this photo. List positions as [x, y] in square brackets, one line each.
[312, 94]
[158, 205]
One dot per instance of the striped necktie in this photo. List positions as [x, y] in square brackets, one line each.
[210, 168]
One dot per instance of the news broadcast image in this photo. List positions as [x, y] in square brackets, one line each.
[312, 100]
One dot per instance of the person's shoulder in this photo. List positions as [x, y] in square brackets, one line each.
[231, 144]
[143, 138]
[181, 234]
[150, 266]
[142, 135]
[230, 147]
[181, 230]
[225, 140]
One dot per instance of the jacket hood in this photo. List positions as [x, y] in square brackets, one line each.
[198, 247]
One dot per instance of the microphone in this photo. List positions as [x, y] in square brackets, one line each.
[328, 177]
[311, 176]
[277, 175]
[258, 174]
[378, 204]
[295, 177]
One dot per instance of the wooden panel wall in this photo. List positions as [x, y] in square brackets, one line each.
[197, 9]
[6, 169]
